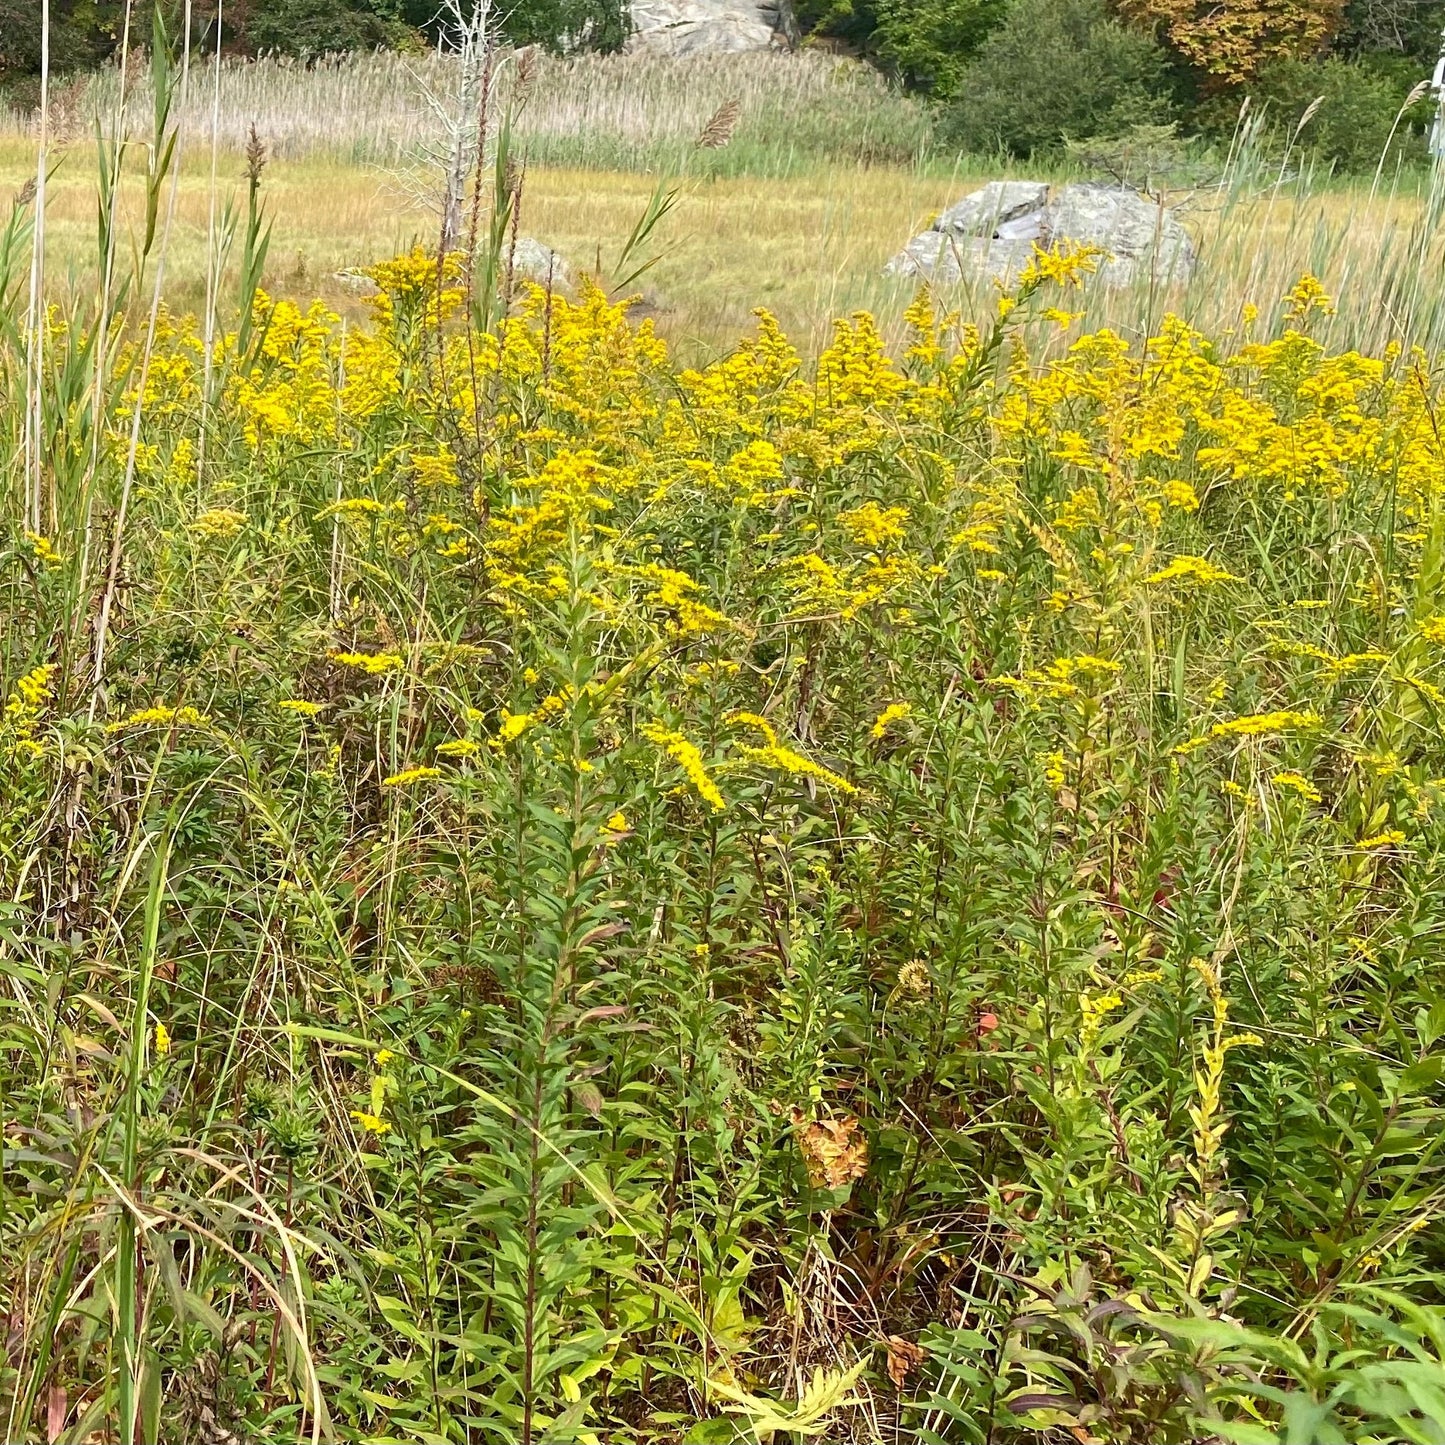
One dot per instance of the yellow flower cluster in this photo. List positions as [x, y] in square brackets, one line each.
[153, 717]
[894, 712]
[1192, 569]
[774, 754]
[23, 708]
[218, 522]
[689, 759]
[1262, 724]
[408, 776]
[374, 663]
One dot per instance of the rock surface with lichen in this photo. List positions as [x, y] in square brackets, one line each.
[991, 233]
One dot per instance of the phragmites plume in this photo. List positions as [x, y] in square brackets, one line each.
[255, 156]
[1421, 90]
[525, 71]
[1309, 114]
[25, 194]
[719, 130]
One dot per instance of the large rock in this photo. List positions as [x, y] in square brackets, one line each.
[982, 212]
[947, 257]
[533, 260]
[706, 27]
[1143, 238]
[990, 234]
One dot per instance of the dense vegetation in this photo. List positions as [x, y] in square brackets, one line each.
[1023, 77]
[550, 896]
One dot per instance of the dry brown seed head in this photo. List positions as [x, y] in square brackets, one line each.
[719, 130]
[255, 156]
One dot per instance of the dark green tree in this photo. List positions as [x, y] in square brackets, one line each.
[930, 42]
[1056, 70]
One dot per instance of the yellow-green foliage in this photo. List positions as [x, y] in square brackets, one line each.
[596, 900]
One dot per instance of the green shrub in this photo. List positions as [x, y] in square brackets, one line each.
[1056, 70]
[78, 38]
[319, 27]
[1403, 29]
[567, 25]
[1359, 103]
[930, 42]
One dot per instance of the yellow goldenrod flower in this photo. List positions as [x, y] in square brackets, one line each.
[23, 707]
[1306, 297]
[1261, 724]
[43, 550]
[459, 748]
[1180, 494]
[1297, 783]
[409, 776]
[1063, 264]
[148, 717]
[370, 1123]
[687, 757]
[774, 755]
[1192, 569]
[438, 469]
[1391, 839]
[873, 526]
[300, 706]
[219, 522]
[894, 712]
[374, 663]
[163, 1040]
[1094, 1010]
[511, 727]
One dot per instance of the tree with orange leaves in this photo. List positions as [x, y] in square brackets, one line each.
[1229, 41]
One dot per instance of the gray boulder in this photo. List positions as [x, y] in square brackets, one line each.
[532, 260]
[1143, 238]
[982, 212]
[946, 258]
[705, 27]
[990, 234]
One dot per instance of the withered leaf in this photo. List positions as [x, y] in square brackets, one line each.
[835, 1151]
[903, 1358]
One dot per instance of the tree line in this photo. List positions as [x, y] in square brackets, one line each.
[1023, 77]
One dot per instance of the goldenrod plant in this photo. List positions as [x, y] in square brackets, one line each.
[551, 894]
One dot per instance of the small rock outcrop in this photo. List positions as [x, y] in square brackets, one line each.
[991, 233]
[706, 27]
[534, 260]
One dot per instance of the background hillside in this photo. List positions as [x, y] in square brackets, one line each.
[1020, 77]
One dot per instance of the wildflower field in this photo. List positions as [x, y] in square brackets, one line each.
[548, 895]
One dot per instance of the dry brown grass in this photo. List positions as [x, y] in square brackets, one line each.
[808, 252]
[635, 111]
[809, 249]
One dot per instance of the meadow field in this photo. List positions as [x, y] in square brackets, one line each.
[796, 858]
[826, 174]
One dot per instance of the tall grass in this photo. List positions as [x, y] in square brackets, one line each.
[811, 251]
[797, 110]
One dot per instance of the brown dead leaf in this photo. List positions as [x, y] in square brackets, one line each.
[903, 1358]
[57, 1405]
[835, 1151]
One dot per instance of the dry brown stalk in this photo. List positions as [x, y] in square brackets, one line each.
[719, 130]
[255, 156]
